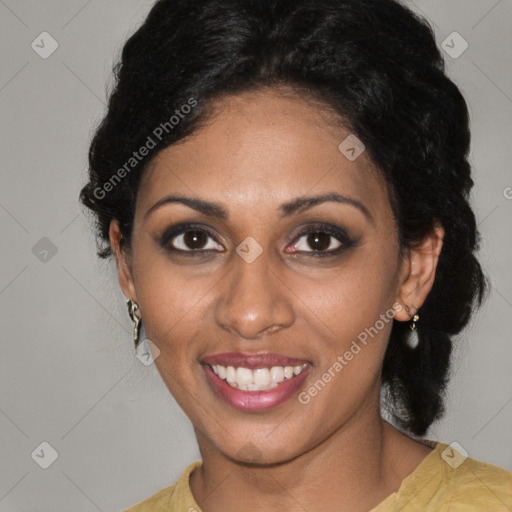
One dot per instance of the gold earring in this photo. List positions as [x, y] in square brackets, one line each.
[134, 312]
[415, 318]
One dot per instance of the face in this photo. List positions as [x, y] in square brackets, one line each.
[262, 284]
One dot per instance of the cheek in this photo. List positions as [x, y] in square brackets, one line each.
[352, 297]
[171, 301]
[352, 314]
[353, 324]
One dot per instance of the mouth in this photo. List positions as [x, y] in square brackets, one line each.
[255, 382]
[260, 379]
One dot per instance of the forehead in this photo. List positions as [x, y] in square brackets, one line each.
[263, 147]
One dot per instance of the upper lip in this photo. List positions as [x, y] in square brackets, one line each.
[253, 361]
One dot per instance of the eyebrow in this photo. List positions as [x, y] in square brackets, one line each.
[287, 209]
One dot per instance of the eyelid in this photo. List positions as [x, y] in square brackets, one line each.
[307, 228]
[179, 229]
[320, 227]
[344, 243]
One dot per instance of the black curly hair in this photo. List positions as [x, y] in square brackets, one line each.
[373, 62]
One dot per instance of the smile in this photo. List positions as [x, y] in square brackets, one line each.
[259, 379]
[255, 382]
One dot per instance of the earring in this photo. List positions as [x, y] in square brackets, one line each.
[412, 340]
[134, 312]
[415, 318]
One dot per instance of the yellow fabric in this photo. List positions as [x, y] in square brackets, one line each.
[435, 485]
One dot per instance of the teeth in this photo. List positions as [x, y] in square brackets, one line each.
[277, 374]
[243, 376]
[288, 372]
[230, 374]
[260, 379]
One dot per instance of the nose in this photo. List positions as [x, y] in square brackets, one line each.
[254, 301]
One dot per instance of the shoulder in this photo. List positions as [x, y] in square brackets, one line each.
[480, 483]
[156, 503]
[468, 484]
[176, 497]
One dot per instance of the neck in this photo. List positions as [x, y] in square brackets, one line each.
[355, 468]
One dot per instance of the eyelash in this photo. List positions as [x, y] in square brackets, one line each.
[338, 234]
[321, 228]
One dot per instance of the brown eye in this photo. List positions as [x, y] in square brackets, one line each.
[195, 239]
[189, 240]
[319, 241]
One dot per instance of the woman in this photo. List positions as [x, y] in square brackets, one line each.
[284, 185]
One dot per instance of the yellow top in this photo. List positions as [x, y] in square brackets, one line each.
[445, 481]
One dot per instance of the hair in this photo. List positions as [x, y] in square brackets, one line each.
[373, 62]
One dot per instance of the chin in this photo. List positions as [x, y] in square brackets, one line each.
[263, 451]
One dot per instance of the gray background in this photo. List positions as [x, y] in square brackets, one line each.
[67, 373]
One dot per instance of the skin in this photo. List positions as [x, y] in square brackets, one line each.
[259, 150]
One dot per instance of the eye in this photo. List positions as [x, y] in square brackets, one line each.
[323, 240]
[189, 239]
[318, 241]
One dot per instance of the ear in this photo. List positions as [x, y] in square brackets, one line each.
[123, 260]
[418, 272]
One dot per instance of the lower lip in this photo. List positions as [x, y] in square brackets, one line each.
[256, 400]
